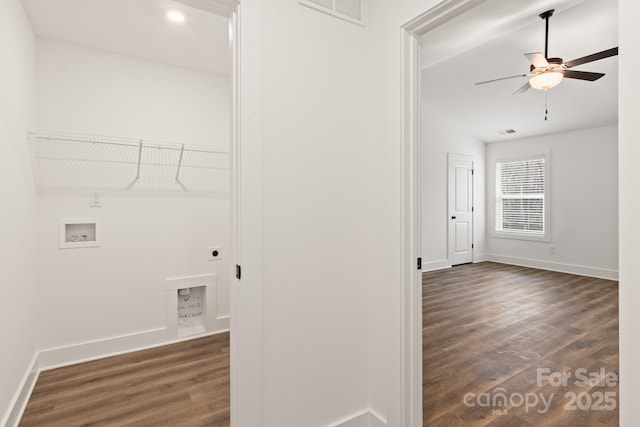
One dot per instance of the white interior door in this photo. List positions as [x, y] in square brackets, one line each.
[460, 215]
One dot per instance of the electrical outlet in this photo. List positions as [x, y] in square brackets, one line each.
[552, 250]
[215, 253]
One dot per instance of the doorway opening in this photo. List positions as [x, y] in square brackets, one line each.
[414, 195]
[460, 195]
[138, 131]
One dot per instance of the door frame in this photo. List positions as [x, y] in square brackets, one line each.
[234, 368]
[411, 276]
[231, 9]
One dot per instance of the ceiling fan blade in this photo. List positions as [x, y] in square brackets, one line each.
[525, 87]
[537, 59]
[501, 78]
[593, 57]
[581, 75]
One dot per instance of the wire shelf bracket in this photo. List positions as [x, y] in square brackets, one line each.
[70, 160]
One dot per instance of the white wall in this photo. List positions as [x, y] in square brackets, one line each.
[89, 91]
[303, 242]
[118, 289]
[17, 215]
[89, 294]
[584, 202]
[583, 192]
[440, 136]
[629, 151]
[383, 190]
[382, 159]
[261, 296]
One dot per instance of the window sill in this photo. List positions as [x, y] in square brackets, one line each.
[518, 236]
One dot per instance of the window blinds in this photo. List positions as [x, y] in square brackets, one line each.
[520, 190]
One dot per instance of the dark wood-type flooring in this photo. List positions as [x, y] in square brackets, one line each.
[183, 384]
[488, 326]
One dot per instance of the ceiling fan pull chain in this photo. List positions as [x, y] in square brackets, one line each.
[546, 108]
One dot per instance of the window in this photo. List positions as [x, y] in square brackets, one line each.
[521, 200]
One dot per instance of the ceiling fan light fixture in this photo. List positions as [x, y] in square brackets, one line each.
[546, 80]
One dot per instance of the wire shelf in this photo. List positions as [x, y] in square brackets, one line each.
[68, 160]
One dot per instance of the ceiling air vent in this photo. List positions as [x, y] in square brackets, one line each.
[349, 10]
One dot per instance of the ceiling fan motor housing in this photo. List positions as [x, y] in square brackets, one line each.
[554, 63]
[547, 14]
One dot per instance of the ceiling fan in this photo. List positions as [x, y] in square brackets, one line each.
[546, 72]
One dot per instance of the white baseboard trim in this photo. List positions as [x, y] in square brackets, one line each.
[480, 258]
[22, 395]
[435, 265]
[441, 264]
[366, 418]
[219, 324]
[114, 346]
[580, 270]
[93, 350]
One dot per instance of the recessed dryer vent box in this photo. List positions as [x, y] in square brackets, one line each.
[79, 233]
[191, 304]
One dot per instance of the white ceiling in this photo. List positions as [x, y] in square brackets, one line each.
[486, 42]
[136, 28]
[490, 41]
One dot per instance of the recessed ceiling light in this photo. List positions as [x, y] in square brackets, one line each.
[175, 16]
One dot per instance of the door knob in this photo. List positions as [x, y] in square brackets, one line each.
[453, 217]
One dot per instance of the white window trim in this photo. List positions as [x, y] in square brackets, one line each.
[546, 237]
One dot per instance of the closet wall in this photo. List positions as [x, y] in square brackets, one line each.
[18, 209]
[583, 203]
[441, 137]
[115, 293]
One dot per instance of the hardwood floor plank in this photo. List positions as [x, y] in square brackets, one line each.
[489, 327]
[486, 327]
[184, 384]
